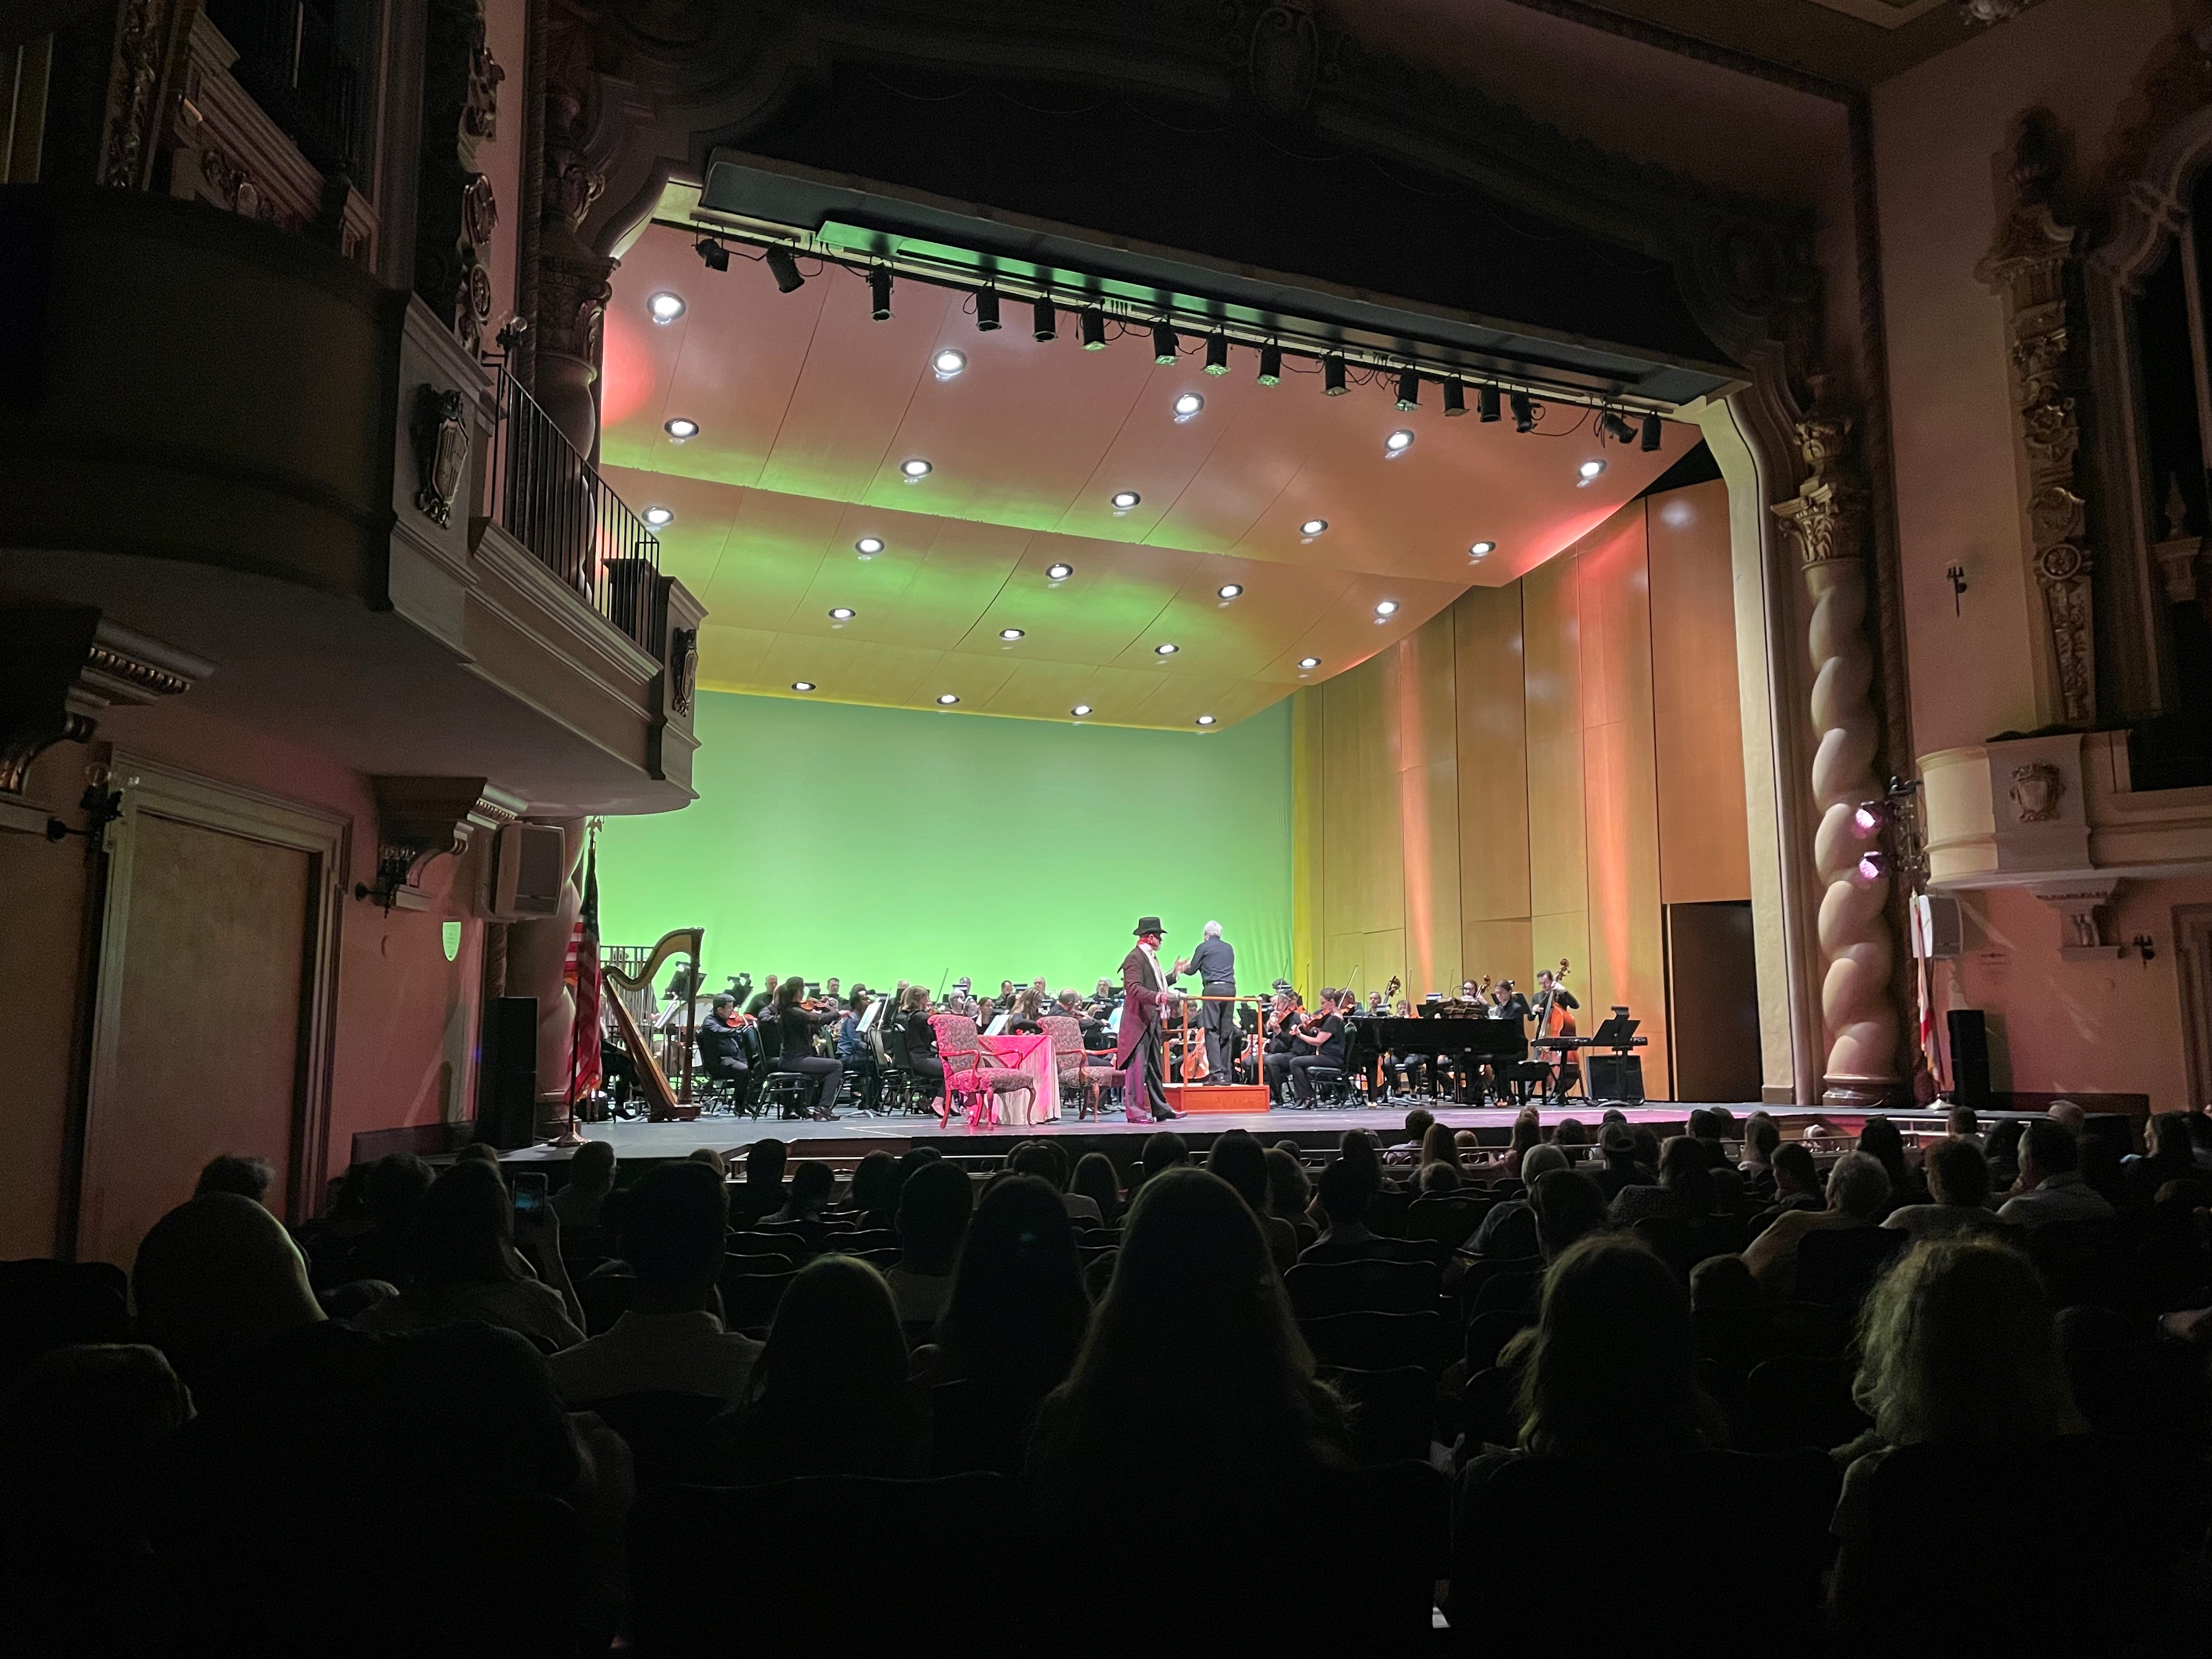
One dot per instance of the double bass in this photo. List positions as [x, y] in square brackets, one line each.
[1555, 1021]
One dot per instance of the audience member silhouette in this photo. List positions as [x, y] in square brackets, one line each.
[584, 1194]
[1019, 1312]
[1958, 1194]
[760, 1194]
[874, 1191]
[934, 1207]
[465, 1265]
[234, 1172]
[1240, 1160]
[1096, 1180]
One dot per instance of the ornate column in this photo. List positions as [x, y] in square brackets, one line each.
[572, 280]
[2027, 267]
[455, 209]
[1827, 524]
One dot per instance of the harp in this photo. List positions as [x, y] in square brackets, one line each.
[664, 1104]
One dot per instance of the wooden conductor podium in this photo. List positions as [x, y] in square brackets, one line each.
[1186, 1065]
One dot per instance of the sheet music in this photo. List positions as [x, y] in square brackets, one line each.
[872, 1015]
[998, 1026]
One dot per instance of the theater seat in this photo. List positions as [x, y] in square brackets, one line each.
[1318, 1288]
[1379, 1341]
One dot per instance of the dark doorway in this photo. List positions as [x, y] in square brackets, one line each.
[1712, 1002]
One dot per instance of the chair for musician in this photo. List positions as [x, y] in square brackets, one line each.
[905, 1090]
[1079, 1073]
[792, 1093]
[972, 1075]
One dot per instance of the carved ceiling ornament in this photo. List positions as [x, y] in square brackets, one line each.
[457, 210]
[2027, 269]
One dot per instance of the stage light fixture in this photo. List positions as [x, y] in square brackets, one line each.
[915, 469]
[1093, 322]
[1010, 633]
[1588, 471]
[1309, 662]
[986, 310]
[680, 429]
[1386, 607]
[1454, 397]
[868, 546]
[1485, 403]
[1483, 549]
[1165, 650]
[665, 307]
[1206, 719]
[1080, 710]
[1271, 364]
[1409, 390]
[1649, 443]
[1216, 354]
[842, 613]
[1164, 344]
[1524, 411]
[656, 517]
[1871, 867]
[949, 362]
[802, 686]
[716, 256]
[785, 268]
[1332, 377]
[880, 295]
[1059, 573]
[1187, 405]
[1397, 443]
[1123, 499]
[1614, 428]
[946, 700]
[1045, 324]
[1230, 589]
[1313, 526]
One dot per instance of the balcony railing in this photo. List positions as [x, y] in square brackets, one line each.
[553, 500]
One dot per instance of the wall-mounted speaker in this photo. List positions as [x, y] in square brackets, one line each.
[1938, 929]
[506, 1074]
[529, 867]
[1970, 1056]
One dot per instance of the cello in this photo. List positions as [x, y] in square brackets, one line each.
[1555, 1020]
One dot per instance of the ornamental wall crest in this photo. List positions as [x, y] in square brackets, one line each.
[2037, 789]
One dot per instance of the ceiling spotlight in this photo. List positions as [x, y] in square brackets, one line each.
[1165, 345]
[1165, 650]
[1454, 397]
[1206, 719]
[1271, 364]
[1614, 428]
[1059, 573]
[1525, 412]
[679, 428]
[1485, 403]
[1590, 469]
[1649, 445]
[1309, 662]
[1230, 589]
[802, 686]
[949, 362]
[1409, 390]
[880, 295]
[1046, 326]
[658, 516]
[716, 256]
[1187, 405]
[1313, 526]
[1216, 354]
[1398, 442]
[1080, 710]
[1093, 323]
[784, 269]
[945, 700]
[1386, 607]
[665, 307]
[915, 469]
[986, 310]
[1010, 633]
[1332, 377]
[840, 613]
[869, 546]
[1123, 499]
[1483, 548]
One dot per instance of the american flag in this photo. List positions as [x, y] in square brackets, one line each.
[581, 972]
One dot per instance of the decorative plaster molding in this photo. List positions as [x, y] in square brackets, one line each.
[2084, 908]
[456, 209]
[418, 819]
[67, 667]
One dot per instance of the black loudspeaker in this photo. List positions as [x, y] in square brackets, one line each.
[1613, 1077]
[1970, 1056]
[506, 1074]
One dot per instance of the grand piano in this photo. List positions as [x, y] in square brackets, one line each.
[1472, 1040]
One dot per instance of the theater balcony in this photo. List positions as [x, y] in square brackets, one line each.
[230, 438]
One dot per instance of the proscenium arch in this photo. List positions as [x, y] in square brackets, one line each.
[1705, 280]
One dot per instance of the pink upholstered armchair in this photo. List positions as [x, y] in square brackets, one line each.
[1080, 1069]
[971, 1073]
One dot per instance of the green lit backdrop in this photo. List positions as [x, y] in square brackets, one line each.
[883, 844]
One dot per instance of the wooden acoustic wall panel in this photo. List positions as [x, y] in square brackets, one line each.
[1427, 715]
[1363, 893]
[1559, 888]
[1489, 691]
[1620, 794]
[1703, 846]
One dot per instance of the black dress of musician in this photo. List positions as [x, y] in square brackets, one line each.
[796, 1026]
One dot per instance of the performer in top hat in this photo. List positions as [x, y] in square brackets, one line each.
[1141, 1053]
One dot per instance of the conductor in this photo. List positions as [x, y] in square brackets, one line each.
[1141, 1052]
[1214, 962]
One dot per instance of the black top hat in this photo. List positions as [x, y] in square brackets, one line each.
[1149, 925]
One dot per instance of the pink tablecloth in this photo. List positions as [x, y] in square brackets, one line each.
[1033, 1054]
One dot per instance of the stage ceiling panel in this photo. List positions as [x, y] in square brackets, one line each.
[807, 410]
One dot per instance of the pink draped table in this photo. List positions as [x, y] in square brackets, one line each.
[1031, 1054]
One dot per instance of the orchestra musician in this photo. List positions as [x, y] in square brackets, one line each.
[854, 1052]
[1507, 1003]
[1142, 1053]
[1316, 1042]
[1283, 1021]
[921, 1038]
[762, 998]
[721, 1042]
[1550, 994]
[797, 1022]
[1095, 1037]
[1414, 1073]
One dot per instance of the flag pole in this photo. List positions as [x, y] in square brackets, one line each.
[568, 1137]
